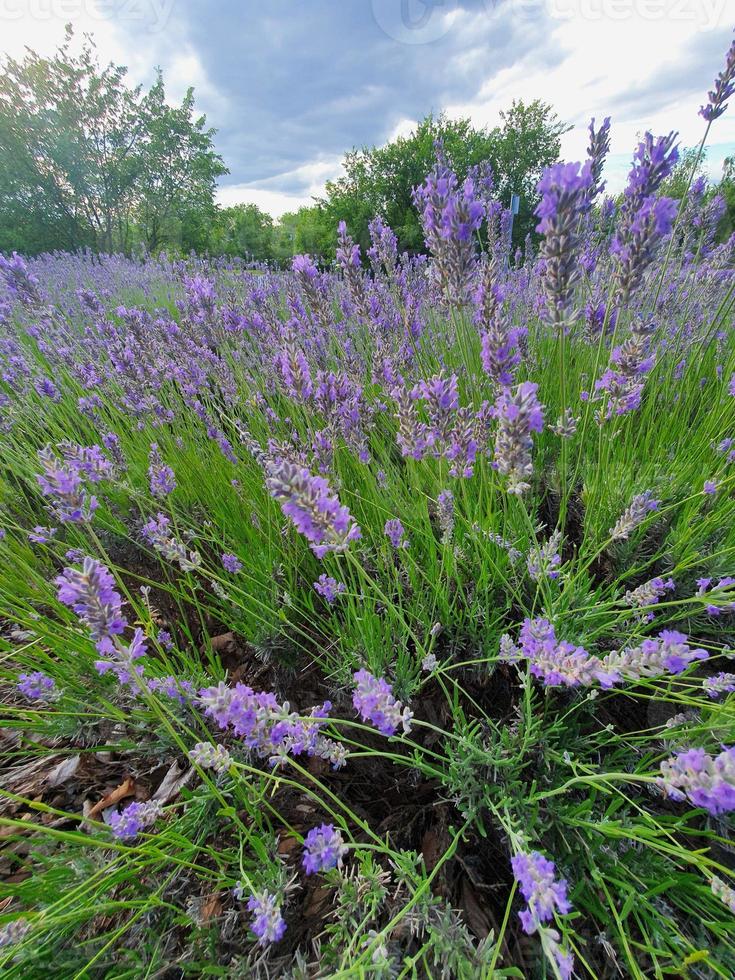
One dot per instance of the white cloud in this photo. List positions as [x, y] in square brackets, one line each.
[307, 180]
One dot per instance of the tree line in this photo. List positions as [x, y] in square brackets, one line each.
[88, 161]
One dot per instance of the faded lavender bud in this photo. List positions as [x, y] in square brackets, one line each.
[639, 508]
[210, 756]
[445, 514]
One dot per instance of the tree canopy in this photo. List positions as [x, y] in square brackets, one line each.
[86, 160]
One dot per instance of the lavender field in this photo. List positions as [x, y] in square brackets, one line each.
[377, 620]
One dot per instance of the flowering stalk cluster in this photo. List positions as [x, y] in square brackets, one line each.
[623, 383]
[560, 663]
[565, 190]
[450, 215]
[269, 729]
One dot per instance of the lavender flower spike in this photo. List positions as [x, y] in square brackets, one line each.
[128, 823]
[706, 781]
[91, 594]
[565, 196]
[544, 894]
[314, 509]
[373, 700]
[268, 924]
[324, 848]
[37, 686]
[636, 512]
[723, 90]
[519, 414]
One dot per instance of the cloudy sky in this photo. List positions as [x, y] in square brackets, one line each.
[291, 85]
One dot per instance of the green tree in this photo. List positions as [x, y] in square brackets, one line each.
[244, 230]
[177, 166]
[86, 160]
[380, 180]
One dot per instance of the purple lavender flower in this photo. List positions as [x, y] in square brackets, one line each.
[172, 687]
[721, 683]
[706, 588]
[565, 191]
[634, 514]
[19, 280]
[164, 638]
[519, 413]
[373, 700]
[62, 483]
[127, 824]
[633, 245]
[41, 535]
[723, 90]
[46, 388]
[120, 658]
[91, 594]
[268, 728]
[37, 686]
[710, 487]
[314, 509]
[324, 849]
[161, 476]
[383, 252]
[705, 780]
[543, 892]
[268, 924]
[329, 588]
[231, 563]
[396, 533]
[449, 217]
[650, 593]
